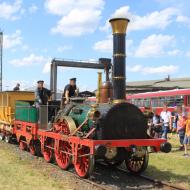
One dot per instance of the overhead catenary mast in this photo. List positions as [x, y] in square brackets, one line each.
[1, 59]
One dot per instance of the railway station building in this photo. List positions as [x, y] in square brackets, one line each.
[157, 85]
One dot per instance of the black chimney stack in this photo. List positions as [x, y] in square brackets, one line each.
[119, 27]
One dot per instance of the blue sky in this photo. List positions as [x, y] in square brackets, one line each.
[157, 40]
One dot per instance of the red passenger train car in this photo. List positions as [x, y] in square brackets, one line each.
[155, 100]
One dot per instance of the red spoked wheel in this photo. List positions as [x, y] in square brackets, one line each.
[22, 145]
[64, 125]
[85, 163]
[48, 152]
[63, 155]
[137, 164]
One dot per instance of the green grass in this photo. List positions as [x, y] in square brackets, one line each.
[20, 174]
[171, 167]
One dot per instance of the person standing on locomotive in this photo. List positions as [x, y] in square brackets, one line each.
[70, 90]
[42, 94]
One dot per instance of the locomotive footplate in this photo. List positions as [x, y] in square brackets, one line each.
[77, 142]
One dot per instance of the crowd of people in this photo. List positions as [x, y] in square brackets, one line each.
[177, 121]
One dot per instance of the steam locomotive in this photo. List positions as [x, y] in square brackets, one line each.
[83, 132]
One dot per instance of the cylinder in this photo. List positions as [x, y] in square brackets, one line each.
[119, 27]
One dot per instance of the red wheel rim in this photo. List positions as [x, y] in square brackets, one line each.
[85, 164]
[63, 159]
[22, 145]
[48, 155]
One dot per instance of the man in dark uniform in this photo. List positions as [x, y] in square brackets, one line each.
[42, 94]
[17, 87]
[70, 90]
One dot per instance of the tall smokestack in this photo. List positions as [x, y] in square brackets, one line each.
[119, 27]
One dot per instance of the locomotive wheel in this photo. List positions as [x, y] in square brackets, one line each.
[85, 163]
[137, 165]
[34, 148]
[2, 137]
[65, 125]
[22, 145]
[48, 153]
[63, 159]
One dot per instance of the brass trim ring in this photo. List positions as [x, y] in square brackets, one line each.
[118, 77]
[117, 101]
[119, 55]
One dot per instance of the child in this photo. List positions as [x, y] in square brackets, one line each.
[181, 127]
[187, 135]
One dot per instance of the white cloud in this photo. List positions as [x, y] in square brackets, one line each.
[160, 70]
[153, 20]
[135, 68]
[46, 68]
[156, 19]
[183, 19]
[59, 7]
[78, 17]
[30, 60]
[104, 46]
[33, 9]
[154, 45]
[107, 45]
[164, 69]
[11, 11]
[12, 40]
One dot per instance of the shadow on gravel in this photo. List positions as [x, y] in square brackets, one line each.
[111, 177]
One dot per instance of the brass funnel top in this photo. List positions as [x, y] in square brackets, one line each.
[119, 25]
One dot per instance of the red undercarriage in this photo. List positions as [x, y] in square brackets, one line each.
[70, 148]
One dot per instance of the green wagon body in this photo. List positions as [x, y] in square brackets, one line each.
[26, 112]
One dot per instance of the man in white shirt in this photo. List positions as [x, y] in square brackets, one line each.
[165, 117]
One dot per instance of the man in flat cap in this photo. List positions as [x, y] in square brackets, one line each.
[42, 94]
[70, 90]
[17, 87]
